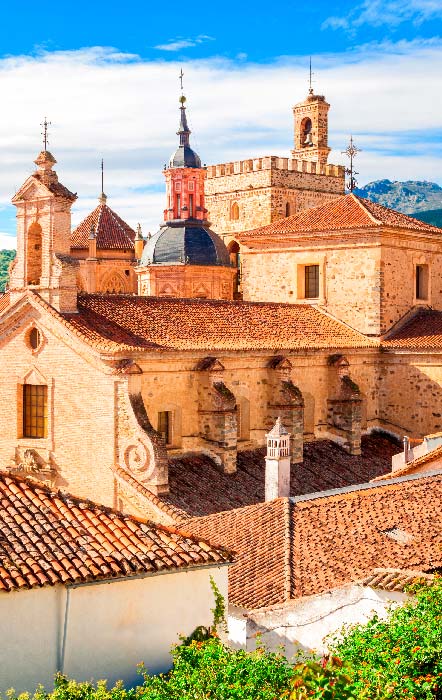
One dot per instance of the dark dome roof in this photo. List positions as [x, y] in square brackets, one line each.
[185, 157]
[185, 242]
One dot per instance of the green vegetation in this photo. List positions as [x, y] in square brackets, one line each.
[432, 216]
[399, 657]
[5, 259]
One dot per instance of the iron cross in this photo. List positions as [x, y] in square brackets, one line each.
[44, 133]
[181, 79]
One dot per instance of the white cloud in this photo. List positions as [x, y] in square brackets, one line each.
[386, 12]
[181, 43]
[126, 111]
[7, 242]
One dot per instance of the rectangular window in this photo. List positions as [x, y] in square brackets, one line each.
[311, 281]
[35, 411]
[178, 205]
[178, 186]
[422, 282]
[165, 426]
[190, 185]
[191, 205]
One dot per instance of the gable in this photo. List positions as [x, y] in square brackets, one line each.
[30, 190]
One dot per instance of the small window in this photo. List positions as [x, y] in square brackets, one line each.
[34, 338]
[165, 426]
[311, 281]
[234, 212]
[191, 185]
[178, 205]
[422, 282]
[191, 206]
[178, 186]
[35, 411]
[287, 209]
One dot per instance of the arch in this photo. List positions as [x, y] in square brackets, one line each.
[243, 418]
[235, 261]
[234, 212]
[287, 209]
[306, 132]
[34, 259]
[113, 283]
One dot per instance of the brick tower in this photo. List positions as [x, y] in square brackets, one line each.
[43, 261]
[311, 129]
[185, 258]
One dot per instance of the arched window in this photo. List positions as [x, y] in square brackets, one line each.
[306, 133]
[287, 208]
[234, 212]
[114, 284]
[34, 254]
[235, 261]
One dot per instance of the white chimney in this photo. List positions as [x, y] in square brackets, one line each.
[277, 476]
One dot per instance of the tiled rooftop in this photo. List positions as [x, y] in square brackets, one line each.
[431, 460]
[395, 579]
[343, 213]
[422, 332]
[208, 325]
[290, 548]
[55, 187]
[198, 487]
[110, 229]
[47, 537]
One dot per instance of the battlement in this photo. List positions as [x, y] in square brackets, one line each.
[239, 167]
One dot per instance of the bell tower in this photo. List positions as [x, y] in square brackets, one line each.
[311, 129]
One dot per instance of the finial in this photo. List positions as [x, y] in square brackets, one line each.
[102, 198]
[92, 233]
[351, 152]
[181, 76]
[139, 235]
[310, 89]
[45, 124]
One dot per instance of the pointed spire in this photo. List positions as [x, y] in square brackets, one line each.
[183, 129]
[139, 235]
[102, 198]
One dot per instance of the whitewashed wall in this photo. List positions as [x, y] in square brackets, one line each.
[303, 625]
[110, 627]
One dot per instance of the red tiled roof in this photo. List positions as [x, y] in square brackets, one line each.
[47, 537]
[4, 301]
[198, 487]
[343, 213]
[395, 579]
[111, 231]
[55, 187]
[290, 548]
[113, 321]
[422, 332]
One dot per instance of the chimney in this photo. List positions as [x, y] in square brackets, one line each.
[92, 243]
[277, 473]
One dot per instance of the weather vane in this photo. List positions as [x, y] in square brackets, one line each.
[102, 176]
[44, 133]
[351, 152]
[310, 90]
[181, 79]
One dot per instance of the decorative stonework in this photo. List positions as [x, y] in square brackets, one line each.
[28, 462]
[344, 406]
[140, 449]
[286, 403]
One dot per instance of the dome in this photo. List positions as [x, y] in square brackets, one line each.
[191, 243]
[185, 157]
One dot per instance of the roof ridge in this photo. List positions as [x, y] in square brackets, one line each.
[288, 547]
[359, 201]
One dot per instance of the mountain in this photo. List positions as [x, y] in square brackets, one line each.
[432, 216]
[5, 258]
[410, 197]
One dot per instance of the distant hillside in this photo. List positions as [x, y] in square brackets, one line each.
[5, 258]
[433, 216]
[409, 197]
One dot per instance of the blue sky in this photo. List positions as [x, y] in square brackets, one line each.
[105, 74]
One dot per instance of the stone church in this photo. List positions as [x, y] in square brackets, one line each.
[133, 370]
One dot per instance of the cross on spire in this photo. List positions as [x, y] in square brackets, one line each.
[310, 89]
[45, 124]
[351, 152]
[181, 76]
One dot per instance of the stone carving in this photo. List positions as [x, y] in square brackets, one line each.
[29, 463]
[137, 458]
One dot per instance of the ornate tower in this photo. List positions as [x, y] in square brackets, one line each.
[311, 129]
[277, 472]
[43, 261]
[185, 258]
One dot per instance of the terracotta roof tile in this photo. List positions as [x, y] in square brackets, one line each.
[330, 539]
[56, 187]
[422, 332]
[48, 537]
[395, 579]
[4, 301]
[198, 487]
[425, 460]
[343, 213]
[110, 321]
[111, 231]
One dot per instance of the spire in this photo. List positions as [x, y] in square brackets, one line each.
[102, 198]
[183, 129]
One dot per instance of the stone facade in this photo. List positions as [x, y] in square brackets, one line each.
[186, 281]
[263, 188]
